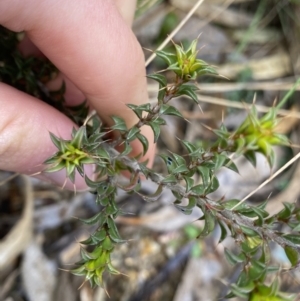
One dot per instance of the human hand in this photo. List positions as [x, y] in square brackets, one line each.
[92, 44]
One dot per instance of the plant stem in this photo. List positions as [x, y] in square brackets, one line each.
[288, 94]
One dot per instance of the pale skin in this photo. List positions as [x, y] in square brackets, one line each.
[92, 44]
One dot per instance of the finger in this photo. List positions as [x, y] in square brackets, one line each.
[126, 9]
[24, 134]
[73, 96]
[92, 45]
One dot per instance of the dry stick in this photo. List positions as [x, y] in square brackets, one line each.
[188, 16]
[226, 87]
[268, 180]
[238, 105]
[173, 33]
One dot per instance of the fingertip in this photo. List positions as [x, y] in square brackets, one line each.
[25, 123]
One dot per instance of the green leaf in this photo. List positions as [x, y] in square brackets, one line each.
[161, 79]
[146, 107]
[275, 286]
[56, 141]
[170, 179]
[249, 250]
[144, 142]
[144, 169]
[169, 58]
[80, 169]
[230, 295]
[70, 168]
[178, 196]
[103, 201]
[103, 154]
[53, 159]
[271, 157]
[119, 124]
[170, 162]
[87, 242]
[132, 133]
[169, 110]
[287, 211]
[232, 258]
[238, 293]
[256, 270]
[189, 182]
[90, 183]
[265, 254]
[191, 148]
[156, 129]
[113, 231]
[220, 161]
[80, 137]
[99, 217]
[127, 150]
[232, 203]
[292, 255]
[224, 231]
[213, 185]
[79, 271]
[264, 290]
[162, 85]
[205, 174]
[251, 157]
[207, 71]
[160, 121]
[296, 226]
[152, 197]
[136, 110]
[105, 189]
[96, 127]
[249, 231]
[188, 90]
[175, 68]
[269, 116]
[179, 159]
[231, 165]
[243, 278]
[261, 214]
[264, 147]
[56, 167]
[295, 239]
[188, 208]
[86, 160]
[240, 145]
[279, 139]
[198, 189]
[222, 132]
[209, 223]
[243, 289]
[107, 244]
[99, 235]
[180, 169]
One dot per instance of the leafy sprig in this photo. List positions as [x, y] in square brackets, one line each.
[252, 228]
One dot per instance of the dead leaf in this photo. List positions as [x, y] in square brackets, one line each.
[219, 13]
[38, 273]
[17, 239]
[273, 66]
